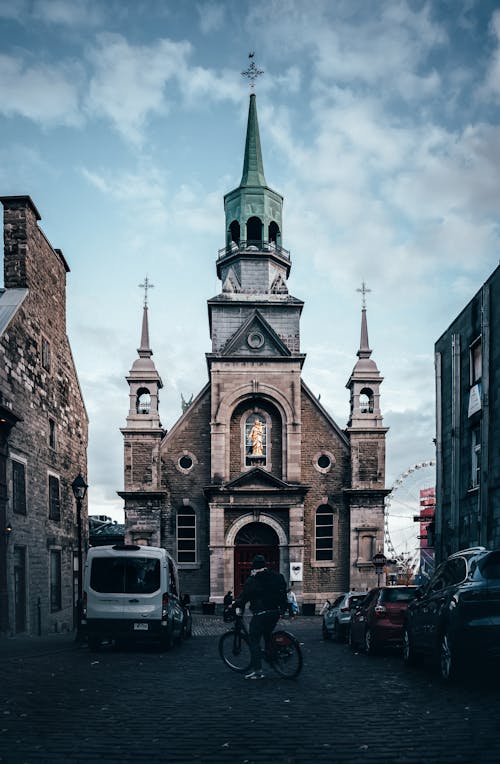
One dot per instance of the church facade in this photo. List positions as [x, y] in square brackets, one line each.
[255, 464]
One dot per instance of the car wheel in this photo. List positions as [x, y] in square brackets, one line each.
[410, 657]
[337, 633]
[94, 642]
[350, 640]
[370, 648]
[326, 634]
[448, 662]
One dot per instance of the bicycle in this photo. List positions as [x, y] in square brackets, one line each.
[284, 654]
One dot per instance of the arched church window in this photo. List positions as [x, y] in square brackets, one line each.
[143, 401]
[234, 231]
[324, 533]
[366, 401]
[186, 535]
[274, 232]
[254, 231]
[255, 439]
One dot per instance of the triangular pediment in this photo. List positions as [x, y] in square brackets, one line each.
[256, 337]
[256, 478]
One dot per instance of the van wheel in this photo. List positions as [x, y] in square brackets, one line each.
[167, 640]
[94, 642]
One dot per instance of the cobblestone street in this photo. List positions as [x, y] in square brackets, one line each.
[61, 703]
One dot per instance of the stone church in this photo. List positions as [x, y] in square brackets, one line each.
[255, 464]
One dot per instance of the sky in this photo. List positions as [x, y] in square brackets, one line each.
[379, 122]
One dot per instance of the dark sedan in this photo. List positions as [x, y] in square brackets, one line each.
[455, 618]
[377, 622]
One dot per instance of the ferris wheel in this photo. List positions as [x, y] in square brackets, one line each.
[402, 505]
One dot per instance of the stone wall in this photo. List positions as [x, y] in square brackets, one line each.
[40, 395]
[324, 580]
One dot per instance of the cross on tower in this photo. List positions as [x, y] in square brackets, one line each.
[147, 285]
[364, 289]
[252, 72]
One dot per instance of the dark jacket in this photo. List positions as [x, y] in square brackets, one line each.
[265, 590]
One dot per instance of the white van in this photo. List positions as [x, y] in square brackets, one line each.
[131, 593]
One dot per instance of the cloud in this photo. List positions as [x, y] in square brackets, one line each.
[493, 74]
[67, 12]
[211, 16]
[44, 93]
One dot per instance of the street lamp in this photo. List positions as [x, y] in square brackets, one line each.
[379, 560]
[79, 487]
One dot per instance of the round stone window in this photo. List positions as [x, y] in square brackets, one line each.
[186, 462]
[255, 340]
[323, 461]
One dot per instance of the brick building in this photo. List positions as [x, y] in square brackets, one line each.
[467, 357]
[43, 432]
[255, 464]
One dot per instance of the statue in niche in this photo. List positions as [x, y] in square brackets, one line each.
[256, 438]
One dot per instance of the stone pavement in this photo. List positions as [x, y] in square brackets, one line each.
[61, 703]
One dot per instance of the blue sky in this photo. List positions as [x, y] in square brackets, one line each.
[125, 122]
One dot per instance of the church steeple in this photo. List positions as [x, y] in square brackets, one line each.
[253, 210]
[253, 166]
[144, 381]
[365, 380]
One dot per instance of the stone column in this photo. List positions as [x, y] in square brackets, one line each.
[296, 544]
[216, 550]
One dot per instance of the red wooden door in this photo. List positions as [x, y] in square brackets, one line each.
[243, 556]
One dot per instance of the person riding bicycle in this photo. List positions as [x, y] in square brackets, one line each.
[265, 589]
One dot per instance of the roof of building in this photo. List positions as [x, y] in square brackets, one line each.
[10, 301]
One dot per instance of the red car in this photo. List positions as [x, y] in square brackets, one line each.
[378, 620]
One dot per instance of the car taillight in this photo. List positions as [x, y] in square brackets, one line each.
[164, 605]
[84, 605]
[379, 610]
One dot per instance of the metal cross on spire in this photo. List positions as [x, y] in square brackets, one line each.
[147, 285]
[363, 291]
[252, 72]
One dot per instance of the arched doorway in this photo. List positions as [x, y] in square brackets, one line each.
[252, 539]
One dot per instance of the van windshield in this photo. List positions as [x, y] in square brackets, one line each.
[125, 575]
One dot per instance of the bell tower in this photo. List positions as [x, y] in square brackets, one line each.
[367, 437]
[142, 435]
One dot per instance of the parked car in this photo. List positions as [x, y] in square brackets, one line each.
[378, 621]
[456, 616]
[338, 615]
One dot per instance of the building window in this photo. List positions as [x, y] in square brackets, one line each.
[18, 488]
[54, 498]
[186, 535]
[323, 461]
[475, 456]
[55, 581]
[324, 533]
[476, 362]
[366, 401]
[52, 433]
[255, 439]
[45, 354]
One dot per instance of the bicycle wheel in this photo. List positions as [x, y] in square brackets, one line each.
[286, 654]
[235, 651]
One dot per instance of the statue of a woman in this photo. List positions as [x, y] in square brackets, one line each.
[256, 438]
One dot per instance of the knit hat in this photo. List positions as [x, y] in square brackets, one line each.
[258, 562]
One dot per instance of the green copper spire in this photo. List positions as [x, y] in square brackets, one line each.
[253, 166]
